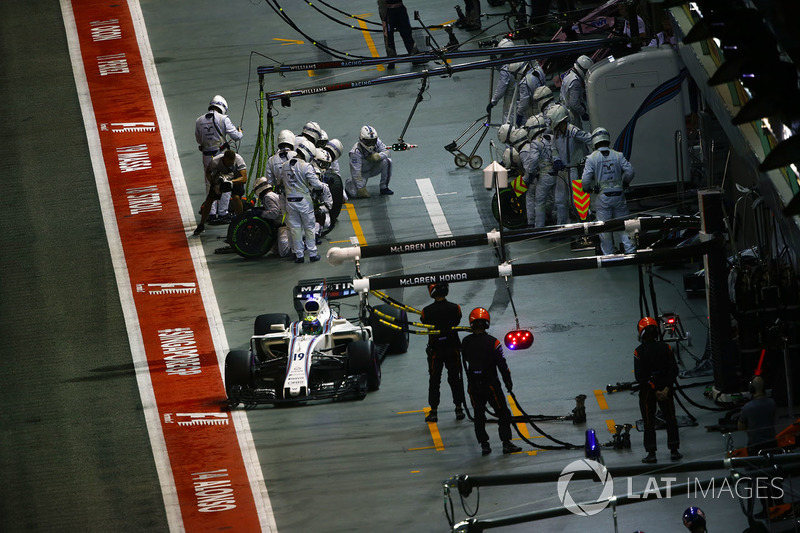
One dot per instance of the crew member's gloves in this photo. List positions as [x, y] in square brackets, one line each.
[626, 185]
[489, 107]
[376, 157]
[508, 384]
[558, 165]
[662, 394]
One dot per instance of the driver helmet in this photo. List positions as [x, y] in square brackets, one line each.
[312, 325]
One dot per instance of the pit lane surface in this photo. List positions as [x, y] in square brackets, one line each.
[375, 464]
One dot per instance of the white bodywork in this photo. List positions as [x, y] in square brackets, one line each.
[337, 332]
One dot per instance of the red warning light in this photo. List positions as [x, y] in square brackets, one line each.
[518, 339]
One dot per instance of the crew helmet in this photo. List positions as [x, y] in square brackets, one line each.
[479, 317]
[694, 517]
[556, 115]
[262, 186]
[218, 103]
[536, 125]
[323, 138]
[502, 133]
[646, 322]
[368, 137]
[581, 65]
[440, 289]
[311, 131]
[600, 135]
[511, 159]
[322, 158]
[312, 325]
[518, 137]
[286, 138]
[335, 148]
[543, 96]
[305, 150]
[505, 42]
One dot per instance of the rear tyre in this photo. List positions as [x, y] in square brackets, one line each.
[263, 324]
[363, 359]
[238, 375]
[396, 340]
[250, 235]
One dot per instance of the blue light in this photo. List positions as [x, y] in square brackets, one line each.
[591, 449]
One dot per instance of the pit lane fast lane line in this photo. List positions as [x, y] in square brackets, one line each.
[208, 470]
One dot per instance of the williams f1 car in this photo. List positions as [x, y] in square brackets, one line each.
[320, 356]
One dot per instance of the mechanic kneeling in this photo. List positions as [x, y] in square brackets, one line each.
[483, 358]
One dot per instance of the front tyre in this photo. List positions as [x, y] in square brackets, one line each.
[238, 375]
[395, 339]
[363, 359]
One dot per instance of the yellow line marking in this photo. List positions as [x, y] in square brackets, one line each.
[287, 41]
[407, 412]
[422, 448]
[340, 242]
[522, 426]
[601, 400]
[351, 212]
[612, 427]
[415, 471]
[434, 428]
[368, 37]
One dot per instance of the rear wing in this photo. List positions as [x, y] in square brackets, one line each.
[332, 288]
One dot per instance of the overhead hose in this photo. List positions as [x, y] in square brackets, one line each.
[394, 303]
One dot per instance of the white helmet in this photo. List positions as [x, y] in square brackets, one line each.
[219, 104]
[511, 159]
[518, 137]
[536, 125]
[543, 96]
[600, 135]
[262, 186]
[322, 158]
[305, 150]
[556, 115]
[505, 42]
[368, 137]
[581, 65]
[323, 138]
[311, 131]
[286, 137]
[502, 133]
[335, 148]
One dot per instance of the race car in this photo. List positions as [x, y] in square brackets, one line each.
[320, 356]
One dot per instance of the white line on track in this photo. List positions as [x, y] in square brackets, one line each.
[434, 208]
